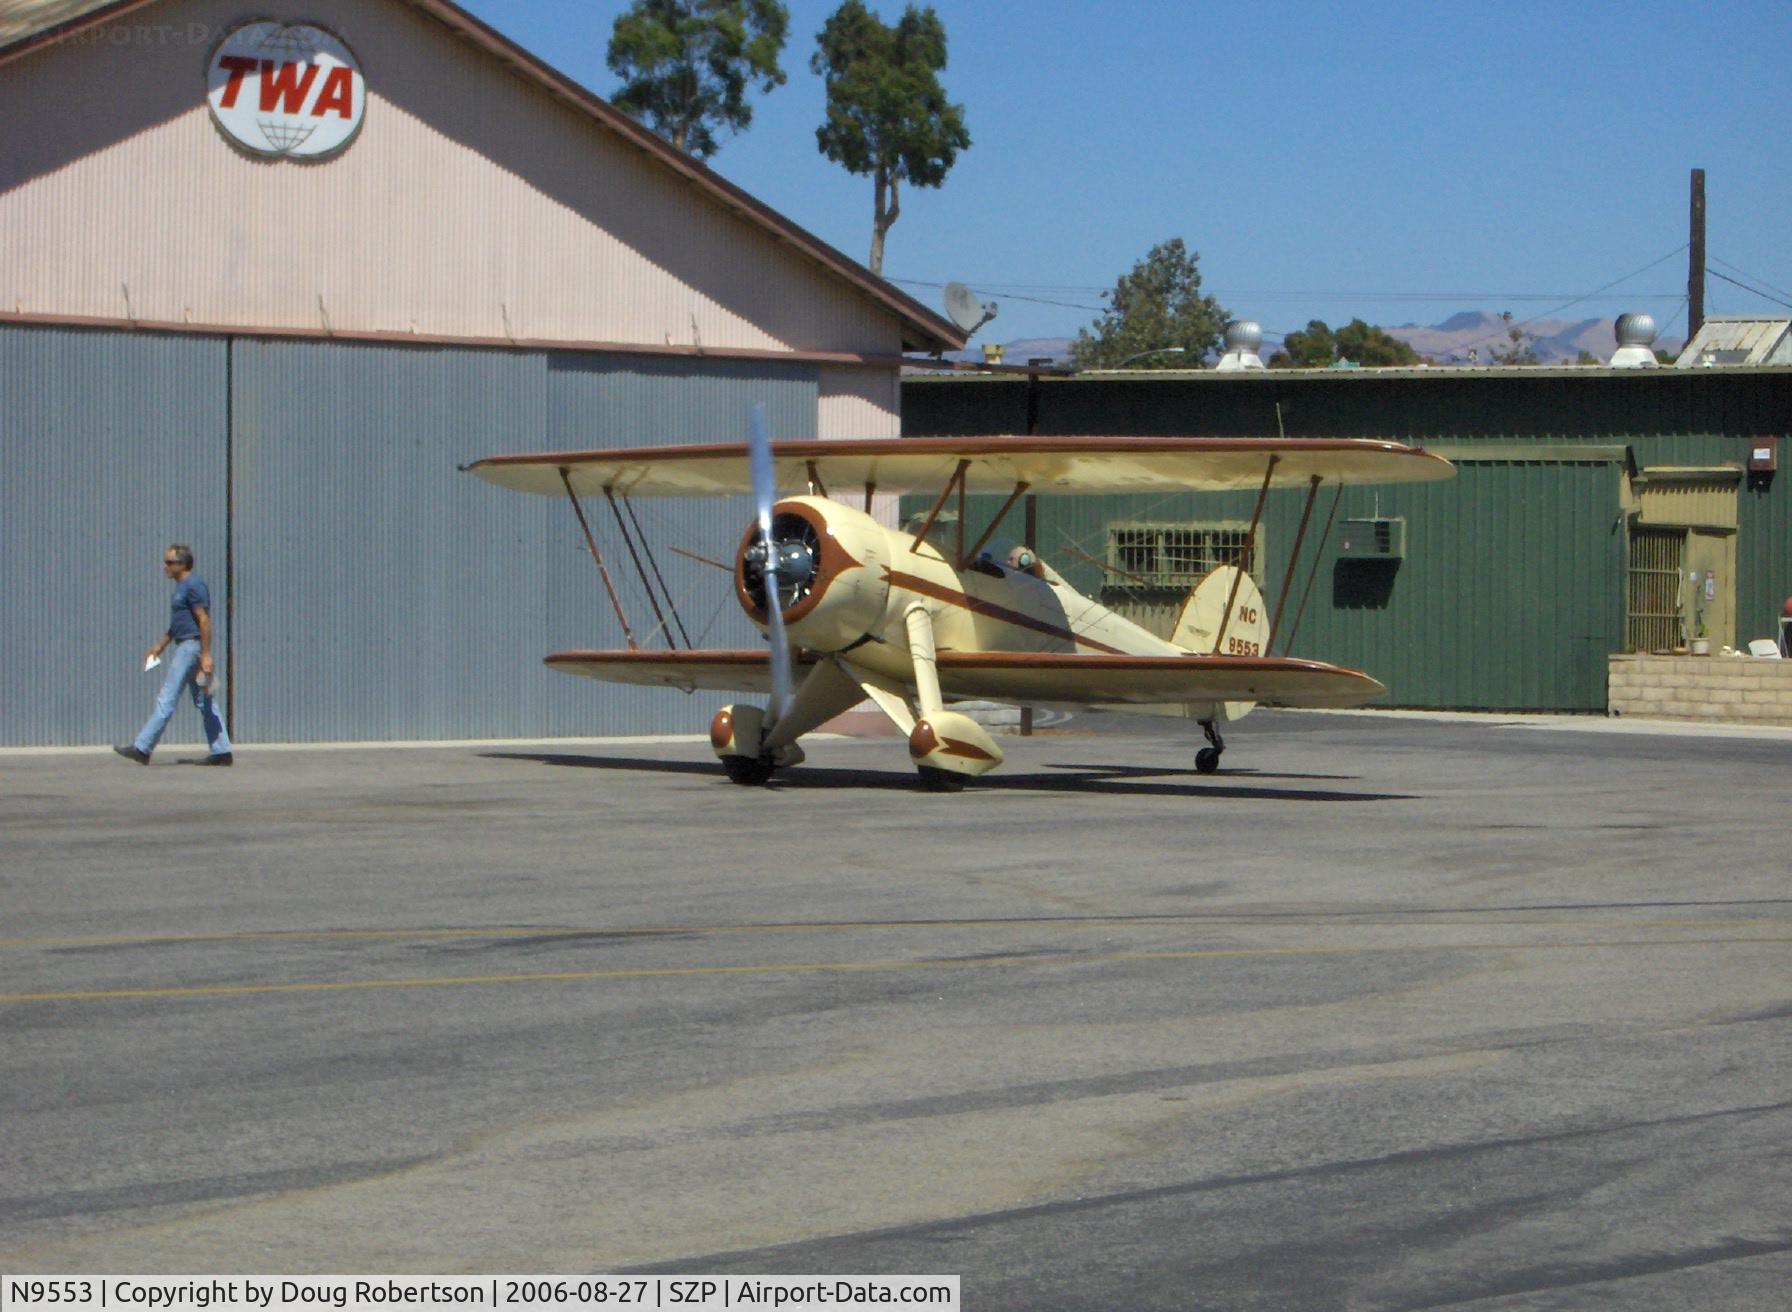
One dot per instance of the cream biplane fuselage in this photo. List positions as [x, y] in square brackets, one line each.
[914, 622]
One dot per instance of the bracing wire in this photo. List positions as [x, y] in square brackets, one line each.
[1745, 287]
[1711, 259]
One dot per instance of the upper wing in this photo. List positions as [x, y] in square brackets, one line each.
[1022, 677]
[993, 464]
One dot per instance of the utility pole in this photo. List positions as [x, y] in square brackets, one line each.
[1695, 259]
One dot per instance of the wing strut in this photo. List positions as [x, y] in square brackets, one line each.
[1250, 546]
[653, 598]
[1300, 536]
[647, 547]
[939, 505]
[598, 556]
[1313, 573]
[966, 556]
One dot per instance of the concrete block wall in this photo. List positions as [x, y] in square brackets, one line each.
[1725, 689]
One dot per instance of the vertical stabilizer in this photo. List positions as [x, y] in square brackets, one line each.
[1206, 629]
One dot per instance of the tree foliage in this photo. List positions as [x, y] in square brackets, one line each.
[1156, 306]
[1519, 347]
[687, 65]
[887, 114]
[1317, 347]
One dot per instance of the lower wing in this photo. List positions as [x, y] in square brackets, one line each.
[1022, 677]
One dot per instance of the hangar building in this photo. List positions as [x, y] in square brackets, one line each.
[270, 273]
[1595, 512]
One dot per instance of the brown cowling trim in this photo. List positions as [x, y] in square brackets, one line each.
[834, 561]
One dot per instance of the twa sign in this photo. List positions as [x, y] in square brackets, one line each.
[294, 92]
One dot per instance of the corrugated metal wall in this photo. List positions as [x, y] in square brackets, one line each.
[1512, 592]
[608, 401]
[383, 594]
[111, 446]
[378, 592]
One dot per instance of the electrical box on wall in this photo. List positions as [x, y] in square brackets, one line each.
[1763, 455]
[1372, 539]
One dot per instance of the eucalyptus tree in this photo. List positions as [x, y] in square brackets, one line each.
[687, 65]
[887, 114]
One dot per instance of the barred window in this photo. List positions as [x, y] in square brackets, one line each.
[1176, 556]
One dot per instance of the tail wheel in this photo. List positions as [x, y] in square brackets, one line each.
[748, 770]
[1207, 760]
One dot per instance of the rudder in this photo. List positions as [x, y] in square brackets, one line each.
[1246, 631]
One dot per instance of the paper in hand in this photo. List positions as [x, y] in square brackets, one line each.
[150, 662]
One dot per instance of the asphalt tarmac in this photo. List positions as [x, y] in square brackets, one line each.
[1392, 1013]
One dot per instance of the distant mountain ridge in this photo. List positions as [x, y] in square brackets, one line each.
[1472, 336]
[1467, 337]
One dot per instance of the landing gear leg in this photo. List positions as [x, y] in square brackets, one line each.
[1207, 760]
[946, 747]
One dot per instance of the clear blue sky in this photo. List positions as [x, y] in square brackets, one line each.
[1394, 161]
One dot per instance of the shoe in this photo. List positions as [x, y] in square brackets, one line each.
[222, 758]
[130, 753]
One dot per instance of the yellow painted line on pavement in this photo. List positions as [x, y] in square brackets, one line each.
[819, 967]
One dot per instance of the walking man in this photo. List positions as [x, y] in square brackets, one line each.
[190, 634]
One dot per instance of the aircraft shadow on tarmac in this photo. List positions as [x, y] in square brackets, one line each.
[1128, 781]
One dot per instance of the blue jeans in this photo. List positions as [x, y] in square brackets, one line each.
[183, 665]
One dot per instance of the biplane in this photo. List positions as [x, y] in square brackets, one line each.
[915, 620]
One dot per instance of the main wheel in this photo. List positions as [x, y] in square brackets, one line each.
[1207, 760]
[936, 780]
[748, 769]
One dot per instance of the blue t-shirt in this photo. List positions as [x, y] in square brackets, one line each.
[188, 593]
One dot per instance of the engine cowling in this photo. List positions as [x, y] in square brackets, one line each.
[830, 563]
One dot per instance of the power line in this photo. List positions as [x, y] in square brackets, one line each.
[1745, 287]
[996, 289]
[1746, 274]
[1011, 291]
[1576, 301]
[1502, 297]
[1014, 291]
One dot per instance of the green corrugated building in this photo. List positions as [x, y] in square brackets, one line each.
[1594, 511]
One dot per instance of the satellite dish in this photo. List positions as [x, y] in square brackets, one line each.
[965, 309]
